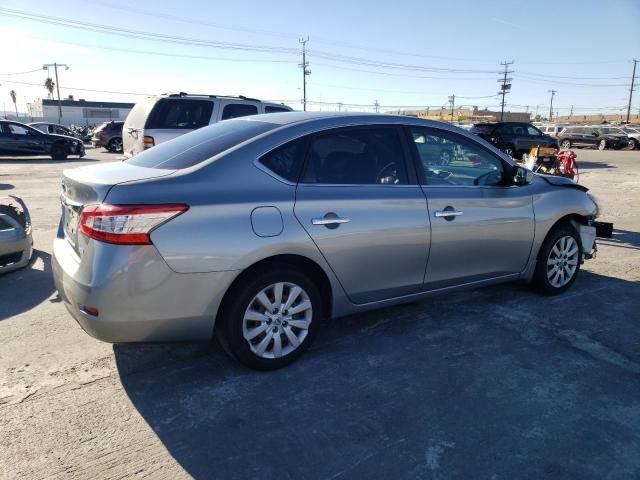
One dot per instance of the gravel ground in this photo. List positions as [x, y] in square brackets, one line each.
[498, 383]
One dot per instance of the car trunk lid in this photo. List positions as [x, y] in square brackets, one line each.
[90, 185]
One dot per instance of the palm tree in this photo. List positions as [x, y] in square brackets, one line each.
[13, 96]
[49, 84]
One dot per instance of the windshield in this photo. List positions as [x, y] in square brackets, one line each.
[610, 131]
[200, 145]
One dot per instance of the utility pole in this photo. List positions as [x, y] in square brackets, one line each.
[305, 71]
[505, 87]
[55, 67]
[633, 78]
[553, 94]
[571, 113]
[376, 106]
[452, 101]
[339, 106]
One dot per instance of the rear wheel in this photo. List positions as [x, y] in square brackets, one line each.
[59, 152]
[271, 318]
[115, 145]
[566, 144]
[602, 144]
[558, 261]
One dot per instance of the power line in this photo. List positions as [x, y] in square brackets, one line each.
[546, 81]
[79, 89]
[94, 27]
[21, 73]
[100, 28]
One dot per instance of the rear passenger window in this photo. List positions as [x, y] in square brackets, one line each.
[362, 156]
[270, 109]
[173, 113]
[286, 161]
[235, 110]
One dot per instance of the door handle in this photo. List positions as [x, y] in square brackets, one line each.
[448, 213]
[329, 221]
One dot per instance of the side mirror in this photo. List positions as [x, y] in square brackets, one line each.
[522, 176]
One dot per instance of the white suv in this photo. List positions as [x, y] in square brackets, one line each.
[160, 118]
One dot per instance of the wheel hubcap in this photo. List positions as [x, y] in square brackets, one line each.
[563, 261]
[277, 320]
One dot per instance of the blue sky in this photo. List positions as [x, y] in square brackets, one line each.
[582, 49]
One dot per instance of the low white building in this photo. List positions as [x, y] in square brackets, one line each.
[78, 112]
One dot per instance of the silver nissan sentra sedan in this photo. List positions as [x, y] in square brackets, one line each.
[255, 229]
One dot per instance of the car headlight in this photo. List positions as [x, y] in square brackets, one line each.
[597, 203]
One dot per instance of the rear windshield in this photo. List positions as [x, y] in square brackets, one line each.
[482, 128]
[180, 113]
[196, 147]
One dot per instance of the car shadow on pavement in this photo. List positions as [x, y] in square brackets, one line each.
[491, 383]
[592, 165]
[23, 289]
[622, 238]
[6, 186]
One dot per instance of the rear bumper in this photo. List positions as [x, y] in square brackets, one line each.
[137, 296]
[98, 142]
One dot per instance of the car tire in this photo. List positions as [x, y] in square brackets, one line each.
[558, 264]
[115, 145]
[633, 144]
[59, 151]
[602, 145]
[269, 342]
[566, 144]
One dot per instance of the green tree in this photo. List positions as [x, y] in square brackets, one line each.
[13, 96]
[49, 84]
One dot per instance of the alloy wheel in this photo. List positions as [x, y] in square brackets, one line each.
[277, 320]
[602, 145]
[116, 145]
[562, 262]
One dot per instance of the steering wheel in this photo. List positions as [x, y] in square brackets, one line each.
[379, 177]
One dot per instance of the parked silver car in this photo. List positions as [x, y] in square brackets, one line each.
[256, 229]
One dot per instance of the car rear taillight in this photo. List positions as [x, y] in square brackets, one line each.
[126, 224]
[102, 133]
[148, 142]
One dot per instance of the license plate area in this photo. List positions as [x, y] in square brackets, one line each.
[70, 219]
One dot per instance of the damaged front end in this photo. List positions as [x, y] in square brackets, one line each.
[16, 242]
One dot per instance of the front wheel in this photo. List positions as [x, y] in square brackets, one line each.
[558, 261]
[633, 144]
[59, 152]
[270, 319]
[566, 144]
[602, 145]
